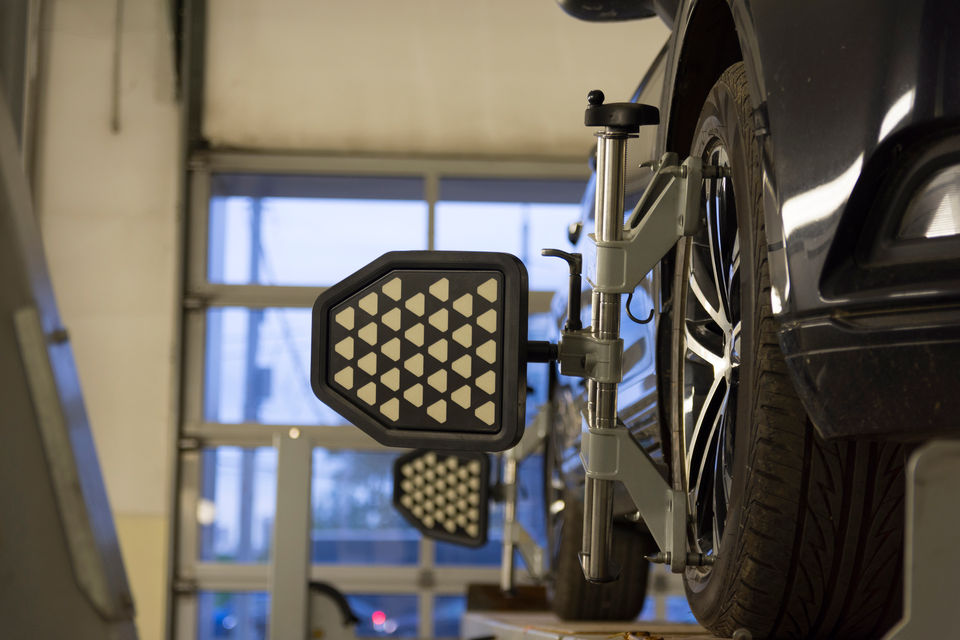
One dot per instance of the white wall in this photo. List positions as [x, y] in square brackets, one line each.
[495, 77]
[107, 206]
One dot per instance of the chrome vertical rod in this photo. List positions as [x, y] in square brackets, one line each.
[510, 518]
[602, 397]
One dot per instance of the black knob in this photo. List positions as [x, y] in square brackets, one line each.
[625, 117]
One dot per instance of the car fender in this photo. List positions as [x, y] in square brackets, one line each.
[830, 83]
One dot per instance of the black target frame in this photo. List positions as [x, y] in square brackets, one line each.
[511, 393]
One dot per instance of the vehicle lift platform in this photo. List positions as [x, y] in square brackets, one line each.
[527, 625]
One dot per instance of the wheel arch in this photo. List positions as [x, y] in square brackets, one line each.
[702, 28]
[710, 36]
[708, 45]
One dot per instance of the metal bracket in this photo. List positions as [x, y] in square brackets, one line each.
[533, 554]
[515, 536]
[584, 355]
[613, 454]
[668, 211]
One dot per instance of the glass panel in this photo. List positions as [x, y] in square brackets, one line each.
[354, 521]
[447, 613]
[237, 505]
[307, 241]
[530, 513]
[395, 616]
[522, 229]
[258, 368]
[238, 616]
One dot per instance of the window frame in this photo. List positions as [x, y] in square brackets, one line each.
[195, 433]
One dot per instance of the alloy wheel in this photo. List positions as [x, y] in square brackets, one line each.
[709, 364]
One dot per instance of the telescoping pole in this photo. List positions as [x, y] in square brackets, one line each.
[605, 325]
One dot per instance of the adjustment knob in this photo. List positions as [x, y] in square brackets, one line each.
[626, 117]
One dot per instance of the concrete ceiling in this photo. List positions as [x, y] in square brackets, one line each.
[489, 77]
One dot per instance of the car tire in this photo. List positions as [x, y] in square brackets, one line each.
[806, 534]
[572, 597]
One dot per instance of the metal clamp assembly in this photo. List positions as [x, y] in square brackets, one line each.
[668, 211]
[623, 255]
[613, 455]
[584, 355]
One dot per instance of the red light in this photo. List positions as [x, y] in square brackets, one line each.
[378, 617]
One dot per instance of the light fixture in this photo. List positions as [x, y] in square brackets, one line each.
[427, 349]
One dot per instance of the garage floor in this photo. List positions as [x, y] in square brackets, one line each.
[528, 625]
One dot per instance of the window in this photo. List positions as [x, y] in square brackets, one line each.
[354, 521]
[236, 510]
[265, 235]
[309, 230]
[238, 616]
[258, 368]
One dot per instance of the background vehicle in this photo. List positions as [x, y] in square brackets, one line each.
[803, 338]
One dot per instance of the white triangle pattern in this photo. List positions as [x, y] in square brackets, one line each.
[393, 289]
[441, 494]
[439, 350]
[390, 326]
[345, 348]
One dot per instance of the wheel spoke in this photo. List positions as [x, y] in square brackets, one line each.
[721, 479]
[703, 352]
[716, 255]
[714, 313]
[706, 485]
[698, 440]
[735, 262]
[733, 282]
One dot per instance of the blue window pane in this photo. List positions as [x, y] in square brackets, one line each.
[394, 616]
[306, 241]
[354, 521]
[530, 513]
[666, 608]
[447, 613]
[649, 611]
[522, 229]
[237, 505]
[678, 610]
[258, 368]
[237, 616]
